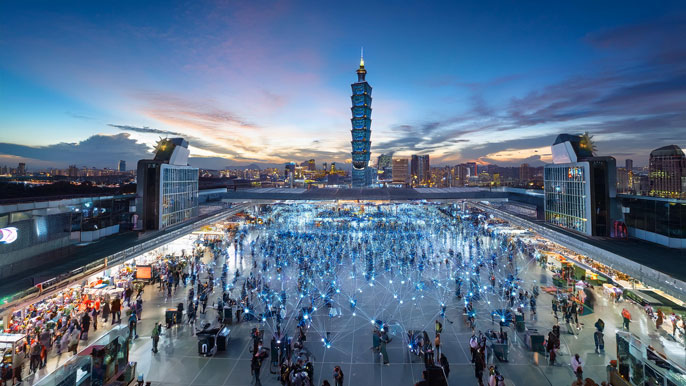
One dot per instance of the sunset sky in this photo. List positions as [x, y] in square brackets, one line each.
[89, 83]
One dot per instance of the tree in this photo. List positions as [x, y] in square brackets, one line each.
[587, 143]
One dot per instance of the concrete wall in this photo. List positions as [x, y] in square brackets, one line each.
[657, 238]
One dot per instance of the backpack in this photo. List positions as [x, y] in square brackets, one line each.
[500, 380]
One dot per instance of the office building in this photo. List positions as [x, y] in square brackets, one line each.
[122, 166]
[361, 128]
[21, 169]
[629, 164]
[420, 170]
[579, 188]
[289, 173]
[623, 180]
[309, 165]
[167, 188]
[473, 169]
[461, 174]
[668, 172]
[400, 171]
[524, 173]
[384, 166]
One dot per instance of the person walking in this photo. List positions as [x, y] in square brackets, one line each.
[550, 347]
[255, 367]
[445, 365]
[479, 367]
[382, 348]
[155, 335]
[437, 345]
[133, 321]
[338, 376]
[105, 311]
[74, 340]
[85, 324]
[577, 366]
[626, 317]
[599, 341]
[116, 310]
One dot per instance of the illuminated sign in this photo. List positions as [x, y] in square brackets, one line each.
[8, 235]
[143, 272]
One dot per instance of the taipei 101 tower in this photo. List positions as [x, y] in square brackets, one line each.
[361, 128]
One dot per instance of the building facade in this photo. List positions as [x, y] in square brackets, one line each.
[167, 188]
[121, 166]
[361, 128]
[580, 189]
[567, 191]
[668, 172]
[420, 170]
[400, 171]
[655, 219]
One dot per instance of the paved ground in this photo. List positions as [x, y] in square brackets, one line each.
[178, 362]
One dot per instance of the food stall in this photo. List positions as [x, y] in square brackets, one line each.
[12, 347]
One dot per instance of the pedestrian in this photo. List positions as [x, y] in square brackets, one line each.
[74, 340]
[34, 356]
[155, 335]
[116, 310]
[439, 327]
[382, 348]
[600, 325]
[577, 366]
[550, 348]
[133, 321]
[255, 367]
[479, 366]
[626, 317]
[105, 311]
[599, 342]
[85, 324]
[437, 345]
[445, 365]
[338, 376]
[325, 383]
[94, 316]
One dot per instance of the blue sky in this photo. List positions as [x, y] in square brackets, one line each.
[269, 81]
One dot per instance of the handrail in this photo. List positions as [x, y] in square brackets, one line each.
[57, 283]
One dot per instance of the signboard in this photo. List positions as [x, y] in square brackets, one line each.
[8, 235]
[143, 272]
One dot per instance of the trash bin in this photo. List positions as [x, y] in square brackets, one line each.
[223, 339]
[206, 344]
[519, 322]
[170, 316]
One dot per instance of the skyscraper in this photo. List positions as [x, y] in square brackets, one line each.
[629, 165]
[524, 173]
[668, 172]
[122, 166]
[361, 128]
[21, 169]
[400, 171]
[420, 170]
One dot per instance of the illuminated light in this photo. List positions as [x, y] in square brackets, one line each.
[372, 321]
[354, 314]
[305, 317]
[8, 235]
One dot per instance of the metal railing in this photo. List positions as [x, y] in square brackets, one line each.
[57, 283]
[647, 275]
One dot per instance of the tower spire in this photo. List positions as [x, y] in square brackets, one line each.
[361, 72]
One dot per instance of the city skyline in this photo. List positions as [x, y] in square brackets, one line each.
[247, 84]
